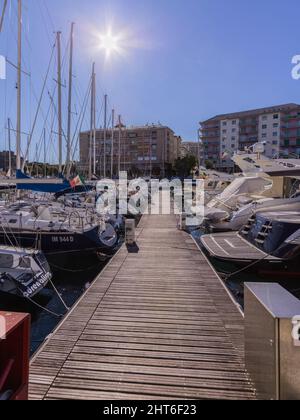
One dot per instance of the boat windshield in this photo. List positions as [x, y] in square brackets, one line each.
[6, 261]
[242, 186]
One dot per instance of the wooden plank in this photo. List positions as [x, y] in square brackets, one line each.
[157, 324]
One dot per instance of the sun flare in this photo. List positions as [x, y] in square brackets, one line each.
[110, 43]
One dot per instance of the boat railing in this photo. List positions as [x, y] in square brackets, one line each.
[80, 219]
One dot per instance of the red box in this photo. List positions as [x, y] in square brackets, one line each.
[14, 354]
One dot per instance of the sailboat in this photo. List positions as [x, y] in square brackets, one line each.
[60, 234]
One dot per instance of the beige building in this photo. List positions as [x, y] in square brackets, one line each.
[150, 150]
[190, 148]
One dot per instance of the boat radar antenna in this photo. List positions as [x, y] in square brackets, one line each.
[259, 149]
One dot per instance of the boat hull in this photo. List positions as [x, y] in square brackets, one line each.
[231, 253]
[61, 248]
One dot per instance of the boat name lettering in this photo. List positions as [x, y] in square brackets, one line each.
[62, 239]
[40, 282]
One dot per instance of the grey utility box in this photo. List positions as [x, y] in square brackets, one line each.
[272, 341]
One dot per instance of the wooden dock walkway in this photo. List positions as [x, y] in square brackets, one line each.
[157, 324]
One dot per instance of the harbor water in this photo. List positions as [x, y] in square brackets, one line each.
[47, 309]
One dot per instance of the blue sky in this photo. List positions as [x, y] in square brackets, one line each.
[183, 61]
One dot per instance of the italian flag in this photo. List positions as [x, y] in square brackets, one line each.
[76, 182]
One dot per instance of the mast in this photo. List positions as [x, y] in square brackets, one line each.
[105, 135]
[68, 162]
[199, 148]
[3, 14]
[19, 86]
[92, 142]
[59, 107]
[94, 121]
[9, 149]
[119, 145]
[45, 158]
[37, 158]
[112, 142]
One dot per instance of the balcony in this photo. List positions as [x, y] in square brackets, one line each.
[210, 127]
[249, 123]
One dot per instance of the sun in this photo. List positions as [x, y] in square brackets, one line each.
[110, 43]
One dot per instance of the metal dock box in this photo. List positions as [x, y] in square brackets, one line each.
[272, 341]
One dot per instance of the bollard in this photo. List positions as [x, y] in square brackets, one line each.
[182, 221]
[130, 232]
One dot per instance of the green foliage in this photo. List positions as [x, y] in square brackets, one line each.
[209, 164]
[184, 166]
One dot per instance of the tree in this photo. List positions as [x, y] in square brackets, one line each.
[184, 166]
[134, 172]
[209, 164]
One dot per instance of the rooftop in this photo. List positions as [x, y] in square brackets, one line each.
[267, 110]
[136, 127]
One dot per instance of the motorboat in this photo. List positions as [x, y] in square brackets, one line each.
[240, 217]
[269, 243]
[23, 272]
[242, 191]
[264, 184]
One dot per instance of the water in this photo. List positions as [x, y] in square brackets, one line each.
[236, 283]
[70, 286]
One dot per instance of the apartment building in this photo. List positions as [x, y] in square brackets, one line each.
[150, 150]
[277, 126]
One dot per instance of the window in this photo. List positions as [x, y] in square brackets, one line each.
[264, 126]
[232, 138]
[275, 125]
[233, 146]
[234, 122]
[264, 135]
[264, 118]
[275, 134]
[224, 123]
[274, 142]
[276, 116]
[25, 262]
[224, 131]
[234, 130]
